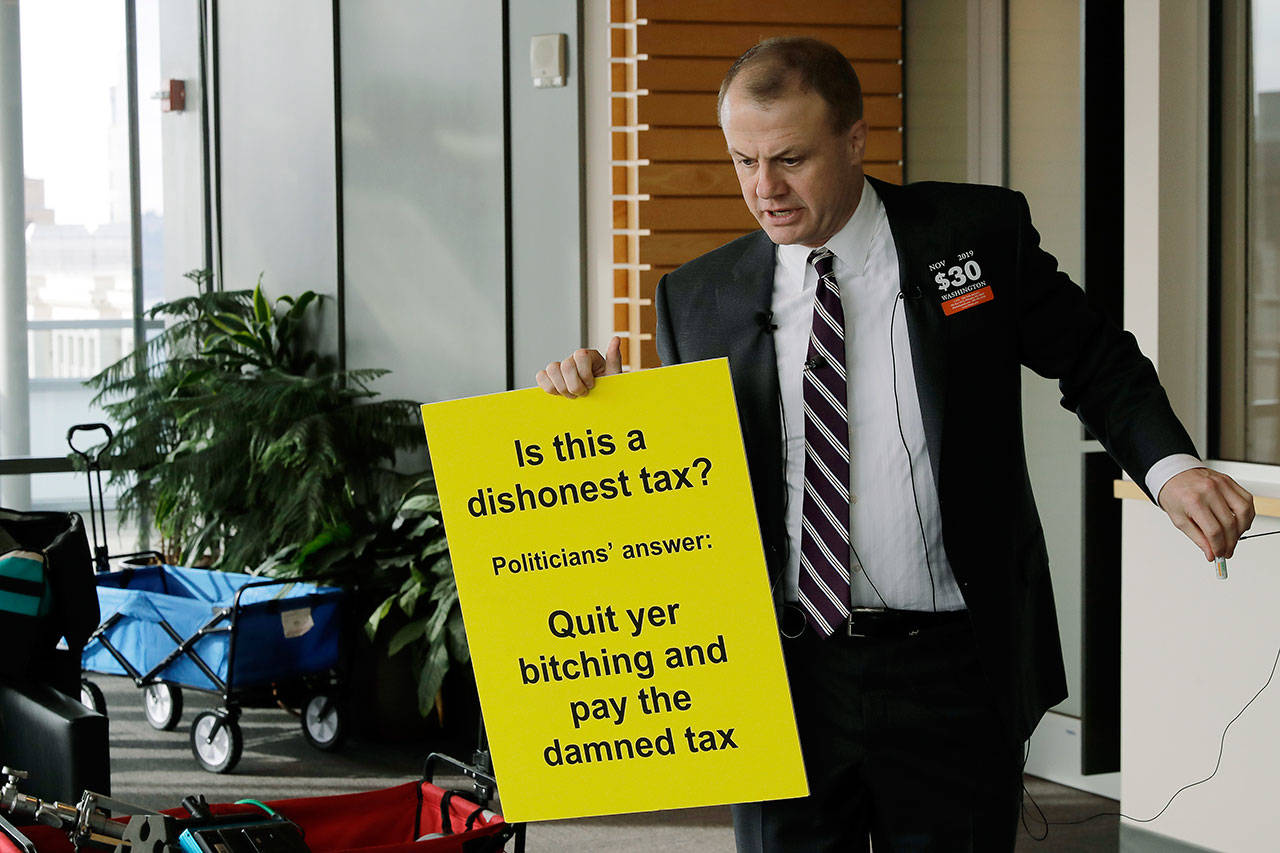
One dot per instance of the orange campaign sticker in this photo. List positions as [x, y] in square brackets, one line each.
[960, 301]
[962, 285]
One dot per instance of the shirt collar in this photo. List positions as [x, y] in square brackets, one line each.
[851, 244]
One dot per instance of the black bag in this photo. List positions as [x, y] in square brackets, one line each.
[47, 591]
[61, 743]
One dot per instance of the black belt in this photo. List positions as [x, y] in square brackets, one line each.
[874, 622]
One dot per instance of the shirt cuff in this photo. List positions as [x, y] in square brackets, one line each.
[1168, 468]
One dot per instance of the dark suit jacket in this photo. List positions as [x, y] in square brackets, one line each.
[968, 372]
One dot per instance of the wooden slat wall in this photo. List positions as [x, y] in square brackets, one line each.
[675, 195]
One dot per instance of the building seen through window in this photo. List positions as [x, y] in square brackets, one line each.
[79, 214]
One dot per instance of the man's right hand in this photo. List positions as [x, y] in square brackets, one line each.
[576, 375]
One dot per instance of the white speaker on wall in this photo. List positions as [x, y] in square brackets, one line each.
[547, 58]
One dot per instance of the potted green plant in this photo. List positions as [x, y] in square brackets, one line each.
[237, 437]
[248, 450]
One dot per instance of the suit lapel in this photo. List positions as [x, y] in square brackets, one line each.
[915, 234]
[744, 319]
[743, 304]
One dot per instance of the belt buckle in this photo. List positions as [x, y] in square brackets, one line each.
[855, 612]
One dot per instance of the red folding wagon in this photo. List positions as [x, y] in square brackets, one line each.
[416, 817]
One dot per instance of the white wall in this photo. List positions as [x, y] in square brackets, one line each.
[547, 198]
[1166, 195]
[181, 148]
[936, 82]
[277, 166]
[424, 195]
[1045, 163]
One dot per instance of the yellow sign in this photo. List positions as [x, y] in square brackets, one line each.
[614, 590]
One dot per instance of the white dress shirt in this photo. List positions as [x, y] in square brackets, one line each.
[895, 527]
[892, 564]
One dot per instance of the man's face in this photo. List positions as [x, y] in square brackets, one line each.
[800, 179]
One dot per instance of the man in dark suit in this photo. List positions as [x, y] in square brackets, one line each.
[875, 335]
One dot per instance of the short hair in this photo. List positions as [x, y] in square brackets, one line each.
[775, 65]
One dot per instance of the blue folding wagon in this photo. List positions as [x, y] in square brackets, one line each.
[236, 635]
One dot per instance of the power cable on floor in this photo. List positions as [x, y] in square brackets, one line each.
[1221, 748]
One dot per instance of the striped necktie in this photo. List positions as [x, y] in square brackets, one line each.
[824, 539]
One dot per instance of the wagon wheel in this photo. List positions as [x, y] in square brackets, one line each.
[216, 741]
[91, 696]
[324, 721]
[162, 703]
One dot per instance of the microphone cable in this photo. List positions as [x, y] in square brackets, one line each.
[911, 468]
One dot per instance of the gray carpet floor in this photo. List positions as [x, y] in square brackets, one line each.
[156, 769]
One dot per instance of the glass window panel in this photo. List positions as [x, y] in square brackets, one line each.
[80, 283]
[69, 492]
[79, 257]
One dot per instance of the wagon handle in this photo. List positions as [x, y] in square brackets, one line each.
[484, 790]
[71, 432]
[93, 470]
[484, 782]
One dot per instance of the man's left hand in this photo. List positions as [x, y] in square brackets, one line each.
[1212, 509]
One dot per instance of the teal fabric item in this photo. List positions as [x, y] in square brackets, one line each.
[24, 584]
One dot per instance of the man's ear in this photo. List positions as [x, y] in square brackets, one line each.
[858, 140]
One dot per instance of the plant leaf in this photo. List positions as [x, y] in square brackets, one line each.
[456, 635]
[431, 676]
[375, 619]
[409, 596]
[261, 311]
[435, 546]
[422, 528]
[406, 635]
[228, 324]
[421, 503]
[446, 599]
[338, 533]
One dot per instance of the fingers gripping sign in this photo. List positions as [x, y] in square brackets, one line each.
[576, 375]
[1212, 509]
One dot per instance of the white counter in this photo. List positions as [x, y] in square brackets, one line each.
[1194, 650]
